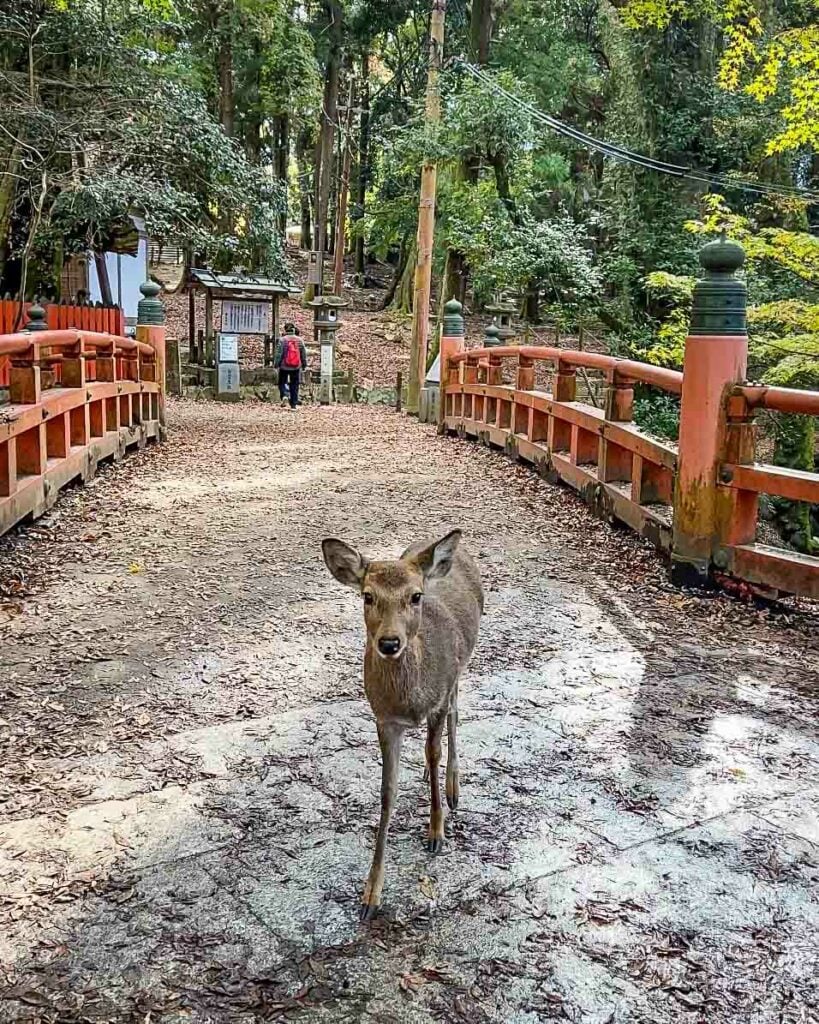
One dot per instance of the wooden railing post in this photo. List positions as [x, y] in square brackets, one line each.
[619, 398]
[525, 378]
[106, 364]
[25, 387]
[565, 385]
[736, 513]
[25, 374]
[73, 366]
[151, 330]
[716, 356]
[614, 462]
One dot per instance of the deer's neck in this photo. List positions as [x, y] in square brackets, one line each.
[392, 687]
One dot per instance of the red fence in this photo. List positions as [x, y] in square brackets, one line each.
[76, 398]
[627, 475]
[59, 316]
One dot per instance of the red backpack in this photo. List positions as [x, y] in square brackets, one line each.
[291, 359]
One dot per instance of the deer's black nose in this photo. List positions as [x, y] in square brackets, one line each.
[389, 646]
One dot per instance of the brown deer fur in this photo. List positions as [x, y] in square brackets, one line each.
[422, 614]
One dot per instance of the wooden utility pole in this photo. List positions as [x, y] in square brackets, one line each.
[426, 218]
[343, 194]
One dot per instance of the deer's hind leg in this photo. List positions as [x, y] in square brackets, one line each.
[453, 777]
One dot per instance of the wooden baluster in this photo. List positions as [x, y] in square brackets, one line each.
[523, 415]
[565, 384]
[25, 385]
[494, 375]
[736, 510]
[614, 462]
[73, 365]
[106, 364]
[525, 379]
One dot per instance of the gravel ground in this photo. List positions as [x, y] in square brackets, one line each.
[189, 774]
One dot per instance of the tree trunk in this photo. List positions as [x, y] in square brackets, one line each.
[302, 157]
[252, 121]
[329, 116]
[8, 189]
[531, 304]
[400, 270]
[480, 30]
[281, 161]
[363, 172]
[455, 278]
[480, 35]
[343, 194]
[224, 71]
[103, 278]
[406, 282]
[325, 146]
[501, 169]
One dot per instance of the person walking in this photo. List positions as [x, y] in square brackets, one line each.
[290, 359]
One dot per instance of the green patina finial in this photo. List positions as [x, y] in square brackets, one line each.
[453, 319]
[150, 311]
[720, 299]
[491, 336]
[36, 318]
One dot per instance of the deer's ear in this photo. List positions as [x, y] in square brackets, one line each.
[435, 560]
[344, 562]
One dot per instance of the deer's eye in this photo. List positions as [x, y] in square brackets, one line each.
[416, 598]
[368, 598]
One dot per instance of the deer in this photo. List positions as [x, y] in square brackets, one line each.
[422, 613]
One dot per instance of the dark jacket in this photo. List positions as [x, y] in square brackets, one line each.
[277, 358]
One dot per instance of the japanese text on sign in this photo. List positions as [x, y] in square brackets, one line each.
[244, 317]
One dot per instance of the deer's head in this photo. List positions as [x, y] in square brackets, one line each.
[392, 591]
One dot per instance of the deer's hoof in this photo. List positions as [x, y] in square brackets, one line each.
[452, 801]
[435, 844]
[368, 911]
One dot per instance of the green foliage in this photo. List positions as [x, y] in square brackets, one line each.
[675, 287]
[126, 126]
[553, 255]
[766, 248]
[658, 413]
[477, 120]
[785, 317]
[765, 53]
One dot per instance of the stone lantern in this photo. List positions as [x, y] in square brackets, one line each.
[503, 312]
[326, 322]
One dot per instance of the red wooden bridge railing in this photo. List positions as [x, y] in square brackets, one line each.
[697, 499]
[59, 316]
[76, 398]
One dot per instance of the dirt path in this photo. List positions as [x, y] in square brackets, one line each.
[189, 776]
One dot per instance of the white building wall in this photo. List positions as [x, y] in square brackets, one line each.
[126, 274]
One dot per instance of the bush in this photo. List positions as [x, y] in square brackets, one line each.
[657, 413]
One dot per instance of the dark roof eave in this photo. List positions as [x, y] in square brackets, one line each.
[233, 286]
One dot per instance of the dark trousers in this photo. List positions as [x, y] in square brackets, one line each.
[289, 385]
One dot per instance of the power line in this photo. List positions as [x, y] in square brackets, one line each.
[624, 155]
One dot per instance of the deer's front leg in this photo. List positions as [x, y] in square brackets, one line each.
[435, 730]
[390, 737]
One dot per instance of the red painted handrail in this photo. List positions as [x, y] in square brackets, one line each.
[76, 397]
[626, 474]
[101, 319]
[624, 369]
[790, 400]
